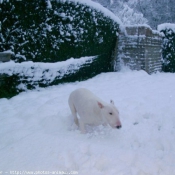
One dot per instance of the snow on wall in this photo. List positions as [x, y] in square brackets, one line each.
[140, 26]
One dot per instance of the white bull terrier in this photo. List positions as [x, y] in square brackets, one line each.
[92, 110]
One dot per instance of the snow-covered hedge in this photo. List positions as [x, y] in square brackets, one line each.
[18, 77]
[168, 49]
[52, 31]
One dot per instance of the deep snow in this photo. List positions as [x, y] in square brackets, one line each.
[36, 132]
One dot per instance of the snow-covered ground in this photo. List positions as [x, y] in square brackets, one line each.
[36, 132]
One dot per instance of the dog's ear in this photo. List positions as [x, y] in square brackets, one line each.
[100, 105]
[112, 102]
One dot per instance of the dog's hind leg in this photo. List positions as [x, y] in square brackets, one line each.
[74, 113]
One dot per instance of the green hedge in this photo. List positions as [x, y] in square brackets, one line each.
[14, 81]
[35, 31]
[168, 50]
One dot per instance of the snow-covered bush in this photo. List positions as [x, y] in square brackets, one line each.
[17, 77]
[51, 32]
[168, 48]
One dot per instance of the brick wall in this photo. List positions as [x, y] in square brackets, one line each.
[139, 47]
[4, 57]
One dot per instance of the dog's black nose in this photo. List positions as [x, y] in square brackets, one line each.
[118, 127]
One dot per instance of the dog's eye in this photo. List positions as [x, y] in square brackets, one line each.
[110, 113]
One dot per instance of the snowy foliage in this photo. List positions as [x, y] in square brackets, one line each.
[168, 48]
[125, 10]
[166, 26]
[51, 31]
[129, 16]
[157, 11]
[151, 12]
[36, 74]
[31, 75]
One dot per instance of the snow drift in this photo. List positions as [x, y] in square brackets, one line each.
[36, 132]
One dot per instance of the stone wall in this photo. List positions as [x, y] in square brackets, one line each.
[139, 47]
[4, 57]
